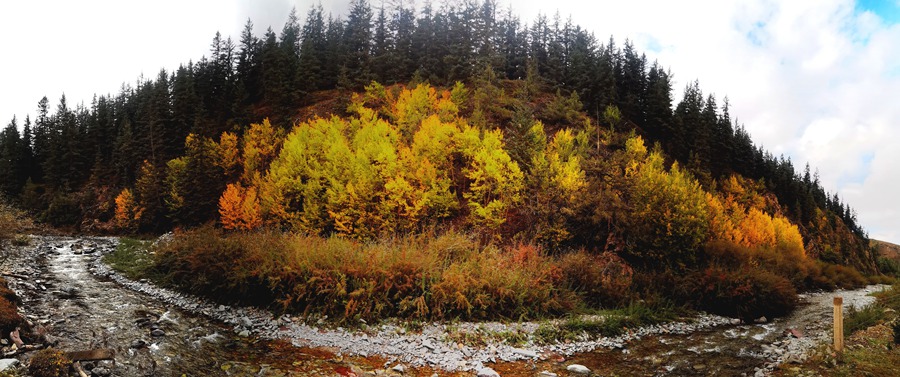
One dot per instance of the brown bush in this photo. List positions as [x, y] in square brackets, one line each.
[9, 316]
[744, 293]
[601, 280]
[49, 363]
[424, 276]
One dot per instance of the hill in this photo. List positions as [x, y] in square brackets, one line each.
[539, 151]
[886, 249]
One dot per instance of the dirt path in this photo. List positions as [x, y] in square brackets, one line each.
[162, 333]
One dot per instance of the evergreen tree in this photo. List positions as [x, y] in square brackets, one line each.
[358, 44]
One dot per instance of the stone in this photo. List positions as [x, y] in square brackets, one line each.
[578, 368]
[487, 372]
[8, 363]
[762, 319]
[547, 373]
[699, 367]
[101, 372]
[399, 368]
[244, 333]
[157, 333]
[140, 343]
[526, 353]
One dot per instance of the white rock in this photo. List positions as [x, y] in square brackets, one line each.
[487, 372]
[7, 363]
[399, 368]
[527, 353]
[578, 368]
[547, 373]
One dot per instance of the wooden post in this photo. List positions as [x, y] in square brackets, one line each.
[838, 324]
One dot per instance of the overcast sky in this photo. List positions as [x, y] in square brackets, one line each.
[817, 81]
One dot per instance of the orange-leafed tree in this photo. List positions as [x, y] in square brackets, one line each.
[239, 208]
[128, 213]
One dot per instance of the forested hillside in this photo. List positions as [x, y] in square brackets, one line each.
[394, 122]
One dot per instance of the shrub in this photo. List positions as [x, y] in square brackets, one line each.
[744, 293]
[424, 276]
[9, 316]
[602, 280]
[861, 319]
[888, 266]
[896, 328]
[49, 363]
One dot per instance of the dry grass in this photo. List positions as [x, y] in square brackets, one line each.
[423, 276]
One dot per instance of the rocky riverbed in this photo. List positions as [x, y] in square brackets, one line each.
[157, 331]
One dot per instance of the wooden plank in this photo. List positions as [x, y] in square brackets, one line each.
[839, 324]
[90, 355]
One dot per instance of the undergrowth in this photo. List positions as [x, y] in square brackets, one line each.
[131, 258]
[453, 276]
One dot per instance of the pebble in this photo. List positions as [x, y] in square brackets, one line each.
[487, 372]
[399, 368]
[547, 373]
[578, 368]
[101, 372]
[8, 363]
[157, 333]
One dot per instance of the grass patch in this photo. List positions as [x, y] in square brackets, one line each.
[860, 319]
[132, 259]
[605, 323]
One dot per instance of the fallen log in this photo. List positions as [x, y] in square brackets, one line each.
[92, 355]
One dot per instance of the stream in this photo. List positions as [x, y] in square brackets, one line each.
[153, 335]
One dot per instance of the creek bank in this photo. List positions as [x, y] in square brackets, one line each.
[675, 348]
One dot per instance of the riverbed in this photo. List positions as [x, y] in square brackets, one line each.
[155, 331]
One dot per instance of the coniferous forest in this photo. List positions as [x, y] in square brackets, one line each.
[439, 162]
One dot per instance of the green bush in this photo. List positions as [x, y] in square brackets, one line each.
[861, 319]
[896, 329]
[888, 266]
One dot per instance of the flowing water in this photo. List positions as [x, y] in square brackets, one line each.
[81, 311]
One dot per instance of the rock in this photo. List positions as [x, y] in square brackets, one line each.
[399, 368]
[140, 343]
[735, 321]
[762, 319]
[244, 333]
[578, 368]
[526, 353]
[547, 373]
[8, 363]
[794, 333]
[100, 372]
[699, 367]
[157, 333]
[487, 372]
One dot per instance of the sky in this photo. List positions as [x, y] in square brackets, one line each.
[815, 80]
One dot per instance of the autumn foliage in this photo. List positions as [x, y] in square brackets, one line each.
[371, 205]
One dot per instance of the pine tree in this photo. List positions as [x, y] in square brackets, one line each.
[358, 44]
